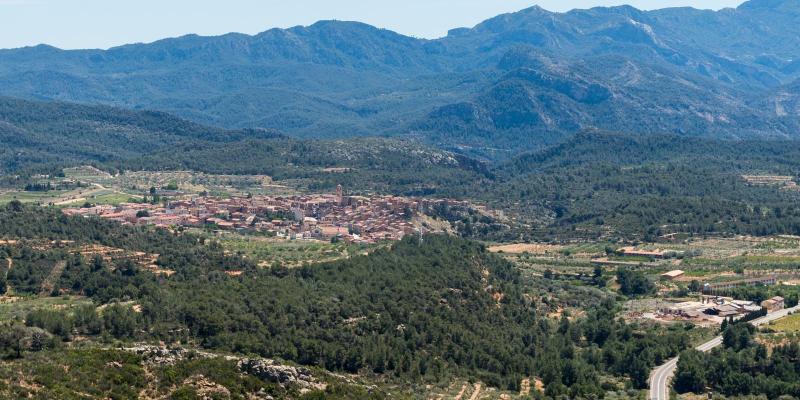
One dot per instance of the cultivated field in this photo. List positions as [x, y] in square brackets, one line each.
[519, 248]
[266, 251]
[99, 187]
[789, 324]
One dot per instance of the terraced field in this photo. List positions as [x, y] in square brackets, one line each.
[267, 251]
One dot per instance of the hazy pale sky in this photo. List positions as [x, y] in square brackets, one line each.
[104, 23]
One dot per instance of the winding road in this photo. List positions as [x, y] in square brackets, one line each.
[661, 376]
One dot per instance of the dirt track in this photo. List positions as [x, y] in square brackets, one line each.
[50, 282]
[476, 393]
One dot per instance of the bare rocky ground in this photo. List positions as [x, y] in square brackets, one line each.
[265, 369]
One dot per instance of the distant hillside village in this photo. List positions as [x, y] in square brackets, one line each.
[354, 219]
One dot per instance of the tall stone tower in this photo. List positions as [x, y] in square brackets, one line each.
[339, 192]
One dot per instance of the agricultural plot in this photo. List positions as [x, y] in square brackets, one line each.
[111, 198]
[703, 259]
[16, 309]
[521, 248]
[266, 251]
[66, 198]
[559, 264]
[196, 182]
[88, 174]
[30, 197]
[790, 324]
[99, 187]
[587, 248]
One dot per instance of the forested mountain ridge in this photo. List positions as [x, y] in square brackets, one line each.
[43, 133]
[41, 137]
[511, 83]
[601, 184]
[592, 148]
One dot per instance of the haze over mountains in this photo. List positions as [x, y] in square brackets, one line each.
[513, 83]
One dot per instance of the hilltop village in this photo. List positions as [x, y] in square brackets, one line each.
[354, 219]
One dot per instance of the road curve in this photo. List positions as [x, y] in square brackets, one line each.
[661, 376]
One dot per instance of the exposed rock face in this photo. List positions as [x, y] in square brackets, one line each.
[284, 375]
[160, 355]
[265, 369]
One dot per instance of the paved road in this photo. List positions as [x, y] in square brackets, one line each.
[661, 376]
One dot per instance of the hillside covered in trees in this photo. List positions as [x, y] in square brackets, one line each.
[426, 309]
[625, 185]
[741, 367]
[42, 137]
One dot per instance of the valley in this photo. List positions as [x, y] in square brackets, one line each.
[593, 204]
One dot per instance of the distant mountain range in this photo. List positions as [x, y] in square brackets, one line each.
[513, 83]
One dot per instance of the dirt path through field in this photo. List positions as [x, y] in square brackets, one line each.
[9, 289]
[82, 196]
[50, 282]
[461, 393]
[476, 393]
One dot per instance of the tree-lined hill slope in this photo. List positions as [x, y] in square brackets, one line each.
[42, 136]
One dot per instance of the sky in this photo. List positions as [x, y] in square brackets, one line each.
[72, 24]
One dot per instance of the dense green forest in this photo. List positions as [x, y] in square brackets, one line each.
[369, 164]
[626, 186]
[41, 138]
[426, 309]
[741, 367]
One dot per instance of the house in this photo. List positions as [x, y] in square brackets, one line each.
[725, 310]
[774, 304]
[225, 225]
[672, 275]
[748, 306]
[691, 310]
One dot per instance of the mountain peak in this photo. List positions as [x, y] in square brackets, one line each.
[767, 5]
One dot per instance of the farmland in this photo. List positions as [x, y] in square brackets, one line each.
[90, 185]
[30, 197]
[268, 251]
[790, 324]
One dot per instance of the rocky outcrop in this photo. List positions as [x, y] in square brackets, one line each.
[284, 375]
[158, 355]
